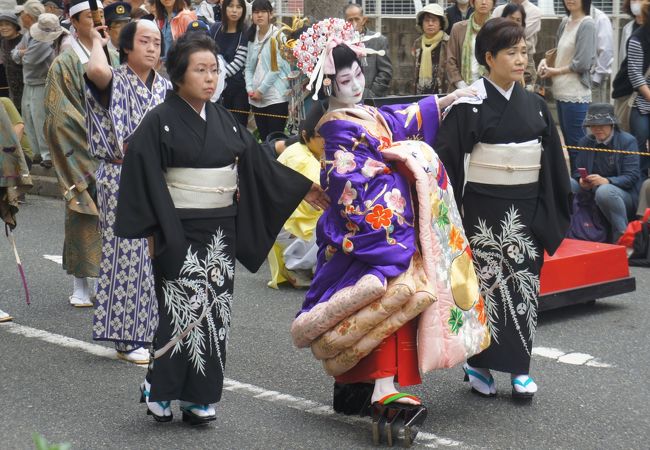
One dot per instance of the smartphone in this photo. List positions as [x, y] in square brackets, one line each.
[583, 172]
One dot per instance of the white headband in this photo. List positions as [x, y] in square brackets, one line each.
[83, 6]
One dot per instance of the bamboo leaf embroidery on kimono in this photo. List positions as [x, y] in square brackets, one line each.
[192, 294]
[455, 320]
[500, 258]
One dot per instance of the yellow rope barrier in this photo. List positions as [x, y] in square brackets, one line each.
[568, 147]
[604, 150]
[276, 116]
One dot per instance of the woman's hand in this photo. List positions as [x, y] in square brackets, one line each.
[256, 96]
[317, 197]
[447, 100]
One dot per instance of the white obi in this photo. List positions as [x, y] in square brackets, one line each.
[202, 188]
[504, 164]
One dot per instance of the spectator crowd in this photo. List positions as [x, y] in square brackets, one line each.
[259, 82]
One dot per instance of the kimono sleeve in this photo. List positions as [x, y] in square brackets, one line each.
[370, 215]
[269, 192]
[414, 121]
[455, 140]
[144, 206]
[553, 213]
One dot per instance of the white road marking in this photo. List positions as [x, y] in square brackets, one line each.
[574, 358]
[56, 258]
[424, 439]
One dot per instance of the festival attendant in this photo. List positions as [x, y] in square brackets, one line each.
[14, 174]
[204, 193]
[126, 311]
[514, 195]
[67, 138]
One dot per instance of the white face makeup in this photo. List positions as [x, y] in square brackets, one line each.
[349, 84]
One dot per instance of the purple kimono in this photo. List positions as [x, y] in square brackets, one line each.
[369, 227]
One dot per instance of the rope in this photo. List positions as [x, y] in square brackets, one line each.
[277, 116]
[605, 150]
[568, 147]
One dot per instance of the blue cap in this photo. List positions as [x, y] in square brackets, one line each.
[198, 25]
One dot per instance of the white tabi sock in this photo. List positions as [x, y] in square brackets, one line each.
[80, 291]
[160, 409]
[480, 379]
[198, 410]
[523, 384]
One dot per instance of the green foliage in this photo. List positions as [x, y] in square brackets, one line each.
[41, 444]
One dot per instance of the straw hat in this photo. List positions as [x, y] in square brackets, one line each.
[47, 29]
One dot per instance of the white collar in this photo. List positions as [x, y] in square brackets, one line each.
[202, 113]
[502, 91]
[82, 52]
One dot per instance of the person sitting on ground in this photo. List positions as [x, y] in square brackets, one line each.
[430, 51]
[614, 177]
[293, 256]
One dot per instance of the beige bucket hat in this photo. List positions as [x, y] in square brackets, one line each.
[47, 28]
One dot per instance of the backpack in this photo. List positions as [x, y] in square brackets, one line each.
[637, 239]
[587, 221]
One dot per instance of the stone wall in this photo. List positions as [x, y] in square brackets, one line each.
[401, 33]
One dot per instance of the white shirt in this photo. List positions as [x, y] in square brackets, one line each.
[604, 46]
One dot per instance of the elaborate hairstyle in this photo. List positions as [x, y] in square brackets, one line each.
[586, 7]
[315, 51]
[126, 38]
[496, 35]
[512, 8]
[161, 12]
[178, 56]
[241, 23]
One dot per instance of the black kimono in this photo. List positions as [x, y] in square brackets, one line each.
[195, 248]
[508, 226]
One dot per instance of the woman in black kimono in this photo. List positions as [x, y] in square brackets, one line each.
[504, 158]
[203, 192]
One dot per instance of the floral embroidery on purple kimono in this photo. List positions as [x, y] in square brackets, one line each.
[369, 228]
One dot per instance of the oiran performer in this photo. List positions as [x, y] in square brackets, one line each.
[201, 189]
[395, 291]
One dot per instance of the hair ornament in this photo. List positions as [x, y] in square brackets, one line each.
[314, 51]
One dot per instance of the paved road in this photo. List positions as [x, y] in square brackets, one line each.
[73, 390]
